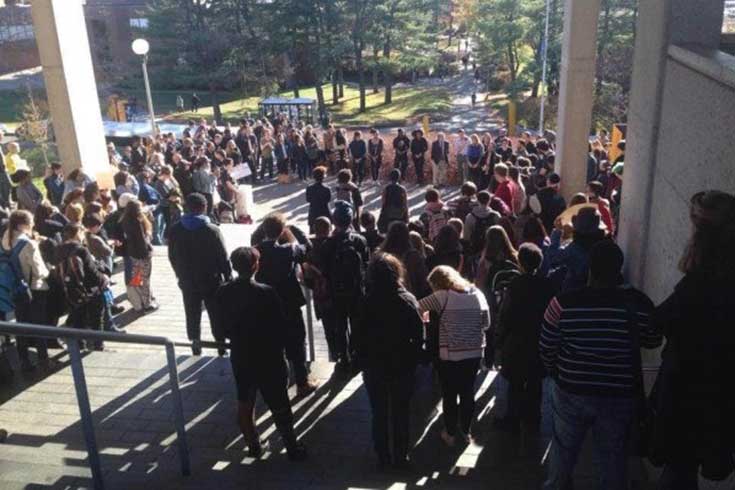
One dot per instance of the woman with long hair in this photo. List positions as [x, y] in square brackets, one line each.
[388, 345]
[398, 243]
[138, 231]
[498, 255]
[693, 396]
[447, 249]
[464, 317]
[30, 304]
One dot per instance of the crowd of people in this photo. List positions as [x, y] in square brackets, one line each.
[508, 275]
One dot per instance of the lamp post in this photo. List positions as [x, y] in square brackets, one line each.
[545, 51]
[141, 48]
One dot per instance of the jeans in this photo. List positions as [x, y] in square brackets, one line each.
[390, 400]
[375, 164]
[159, 225]
[266, 164]
[345, 321]
[193, 300]
[458, 381]
[608, 418]
[296, 344]
[401, 163]
[360, 169]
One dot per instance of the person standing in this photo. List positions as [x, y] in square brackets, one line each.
[318, 196]
[137, 232]
[195, 100]
[179, 103]
[281, 154]
[254, 321]
[279, 264]
[388, 344]
[394, 202]
[419, 147]
[375, 154]
[5, 185]
[197, 252]
[343, 258]
[358, 153]
[590, 344]
[460, 150]
[401, 145]
[440, 160]
[693, 396]
[464, 317]
[266, 154]
[54, 184]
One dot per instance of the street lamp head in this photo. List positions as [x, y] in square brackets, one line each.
[141, 47]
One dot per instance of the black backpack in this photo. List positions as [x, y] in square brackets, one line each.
[71, 277]
[477, 240]
[499, 288]
[347, 281]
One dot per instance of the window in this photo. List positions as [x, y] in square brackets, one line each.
[139, 23]
[21, 32]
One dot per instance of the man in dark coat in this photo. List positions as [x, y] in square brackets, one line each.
[254, 321]
[198, 256]
[279, 263]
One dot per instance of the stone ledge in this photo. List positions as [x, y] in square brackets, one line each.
[711, 63]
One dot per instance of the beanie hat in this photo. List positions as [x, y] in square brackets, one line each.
[342, 214]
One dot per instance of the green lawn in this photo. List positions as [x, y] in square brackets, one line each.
[407, 103]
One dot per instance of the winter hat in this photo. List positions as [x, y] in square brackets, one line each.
[342, 214]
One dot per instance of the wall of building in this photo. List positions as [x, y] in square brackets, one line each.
[695, 146]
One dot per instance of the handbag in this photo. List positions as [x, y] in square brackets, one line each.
[431, 343]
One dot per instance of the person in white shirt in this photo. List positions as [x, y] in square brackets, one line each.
[460, 146]
[464, 316]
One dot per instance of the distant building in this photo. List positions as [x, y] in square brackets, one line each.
[111, 25]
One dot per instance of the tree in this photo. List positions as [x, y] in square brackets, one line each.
[36, 122]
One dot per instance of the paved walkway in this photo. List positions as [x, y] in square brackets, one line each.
[133, 417]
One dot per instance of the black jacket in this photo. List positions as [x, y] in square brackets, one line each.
[278, 267]
[94, 279]
[390, 336]
[440, 152]
[198, 254]
[253, 320]
[318, 196]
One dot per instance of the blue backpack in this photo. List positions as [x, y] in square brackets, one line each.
[12, 283]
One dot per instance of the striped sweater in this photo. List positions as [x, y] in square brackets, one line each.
[585, 342]
[464, 319]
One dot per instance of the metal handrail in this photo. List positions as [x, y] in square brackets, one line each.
[80, 384]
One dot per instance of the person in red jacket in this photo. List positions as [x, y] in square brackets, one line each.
[594, 194]
[504, 190]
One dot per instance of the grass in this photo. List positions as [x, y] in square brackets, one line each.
[408, 103]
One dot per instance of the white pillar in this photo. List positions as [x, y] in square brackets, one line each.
[63, 45]
[579, 49]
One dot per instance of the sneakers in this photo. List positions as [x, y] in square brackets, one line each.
[306, 389]
[151, 307]
[448, 439]
[117, 309]
[255, 450]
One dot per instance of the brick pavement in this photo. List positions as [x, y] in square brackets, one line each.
[133, 417]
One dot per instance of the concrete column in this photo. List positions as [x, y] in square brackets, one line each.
[61, 35]
[660, 23]
[579, 49]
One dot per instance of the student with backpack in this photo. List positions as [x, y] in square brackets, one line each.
[82, 281]
[497, 267]
[435, 214]
[344, 258]
[279, 264]
[465, 203]
[519, 328]
[476, 224]
[23, 285]
[254, 321]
